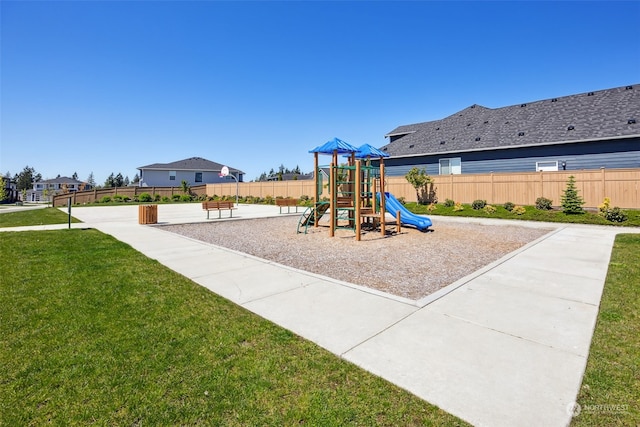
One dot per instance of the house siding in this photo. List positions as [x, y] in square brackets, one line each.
[611, 154]
[160, 178]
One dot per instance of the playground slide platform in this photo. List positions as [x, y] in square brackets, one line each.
[422, 223]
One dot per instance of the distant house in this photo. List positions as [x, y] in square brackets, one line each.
[194, 170]
[584, 131]
[289, 176]
[43, 190]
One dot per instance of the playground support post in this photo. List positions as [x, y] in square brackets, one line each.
[316, 179]
[358, 198]
[332, 200]
[382, 199]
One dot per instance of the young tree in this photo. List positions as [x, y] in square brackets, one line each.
[571, 201]
[3, 193]
[423, 184]
[184, 185]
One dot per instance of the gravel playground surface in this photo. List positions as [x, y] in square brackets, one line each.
[411, 264]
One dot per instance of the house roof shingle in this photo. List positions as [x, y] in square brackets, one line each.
[191, 164]
[588, 116]
[61, 180]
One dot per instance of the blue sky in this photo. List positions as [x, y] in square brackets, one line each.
[101, 87]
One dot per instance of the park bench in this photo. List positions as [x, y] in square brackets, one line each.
[218, 205]
[288, 203]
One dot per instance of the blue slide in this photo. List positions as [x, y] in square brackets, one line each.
[392, 204]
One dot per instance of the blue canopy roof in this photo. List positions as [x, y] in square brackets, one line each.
[368, 151]
[335, 145]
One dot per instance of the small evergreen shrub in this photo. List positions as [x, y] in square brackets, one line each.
[571, 201]
[165, 199]
[509, 206]
[543, 204]
[448, 203]
[432, 207]
[269, 200]
[489, 209]
[518, 210]
[105, 199]
[616, 214]
[157, 198]
[126, 199]
[458, 207]
[185, 198]
[145, 197]
[478, 204]
[175, 197]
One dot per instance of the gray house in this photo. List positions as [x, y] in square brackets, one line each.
[584, 131]
[194, 170]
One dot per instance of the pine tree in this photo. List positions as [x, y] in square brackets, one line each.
[571, 201]
[91, 180]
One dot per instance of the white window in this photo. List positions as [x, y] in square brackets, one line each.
[546, 166]
[172, 175]
[452, 166]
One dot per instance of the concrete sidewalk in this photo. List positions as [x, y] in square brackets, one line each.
[504, 346]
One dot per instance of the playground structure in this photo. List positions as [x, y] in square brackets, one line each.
[355, 192]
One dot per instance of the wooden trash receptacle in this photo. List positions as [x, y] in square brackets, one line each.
[148, 214]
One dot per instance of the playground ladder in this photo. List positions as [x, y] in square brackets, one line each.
[308, 216]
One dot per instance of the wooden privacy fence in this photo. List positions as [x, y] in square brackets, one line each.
[91, 196]
[622, 186]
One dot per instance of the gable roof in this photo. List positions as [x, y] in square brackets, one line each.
[605, 114]
[61, 180]
[190, 164]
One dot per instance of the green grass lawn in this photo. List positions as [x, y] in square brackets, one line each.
[530, 214]
[93, 332]
[610, 392]
[35, 217]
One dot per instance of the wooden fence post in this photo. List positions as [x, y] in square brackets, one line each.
[493, 192]
[604, 183]
[451, 185]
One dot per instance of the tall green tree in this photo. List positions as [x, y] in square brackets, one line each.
[91, 180]
[25, 179]
[110, 181]
[75, 175]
